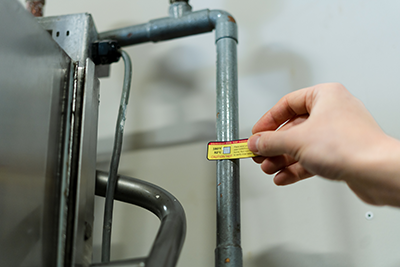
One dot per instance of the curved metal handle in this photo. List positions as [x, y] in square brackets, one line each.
[171, 235]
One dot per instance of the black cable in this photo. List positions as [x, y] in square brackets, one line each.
[112, 178]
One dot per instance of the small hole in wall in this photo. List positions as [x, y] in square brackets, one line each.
[58, 34]
[369, 215]
[67, 33]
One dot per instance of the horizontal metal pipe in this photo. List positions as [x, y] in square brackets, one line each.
[170, 237]
[170, 28]
[161, 29]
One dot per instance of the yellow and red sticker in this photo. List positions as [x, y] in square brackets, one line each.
[236, 149]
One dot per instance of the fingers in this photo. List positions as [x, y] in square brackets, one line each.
[259, 159]
[275, 164]
[279, 161]
[290, 171]
[282, 143]
[291, 174]
[270, 144]
[291, 105]
[293, 122]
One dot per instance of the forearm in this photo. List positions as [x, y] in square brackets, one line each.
[375, 176]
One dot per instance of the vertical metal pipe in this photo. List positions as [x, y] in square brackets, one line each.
[179, 9]
[228, 251]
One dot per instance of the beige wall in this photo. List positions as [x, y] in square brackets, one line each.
[283, 45]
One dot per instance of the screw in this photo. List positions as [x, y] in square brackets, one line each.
[369, 215]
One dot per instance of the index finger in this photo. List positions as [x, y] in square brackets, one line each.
[296, 103]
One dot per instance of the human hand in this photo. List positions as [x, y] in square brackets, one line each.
[328, 132]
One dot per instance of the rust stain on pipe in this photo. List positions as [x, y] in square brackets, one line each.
[35, 7]
[231, 19]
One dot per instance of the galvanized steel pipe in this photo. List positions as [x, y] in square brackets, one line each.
[228, 215]
[161, 29]
[168, 28]
[228, 251]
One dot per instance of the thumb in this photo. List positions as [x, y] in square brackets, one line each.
[272, 143]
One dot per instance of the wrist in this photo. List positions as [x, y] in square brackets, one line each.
[375, 177]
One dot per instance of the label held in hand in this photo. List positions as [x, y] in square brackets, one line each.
[236, 149]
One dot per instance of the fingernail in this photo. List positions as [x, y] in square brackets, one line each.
[252, 143]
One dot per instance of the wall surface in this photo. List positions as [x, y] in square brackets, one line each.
[284, 45]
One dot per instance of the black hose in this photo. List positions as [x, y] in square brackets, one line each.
[112, 177]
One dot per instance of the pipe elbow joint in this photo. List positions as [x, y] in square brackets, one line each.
[225, 25]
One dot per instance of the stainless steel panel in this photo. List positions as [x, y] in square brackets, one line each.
[34, 73]
[75, 33]
[85, 185]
